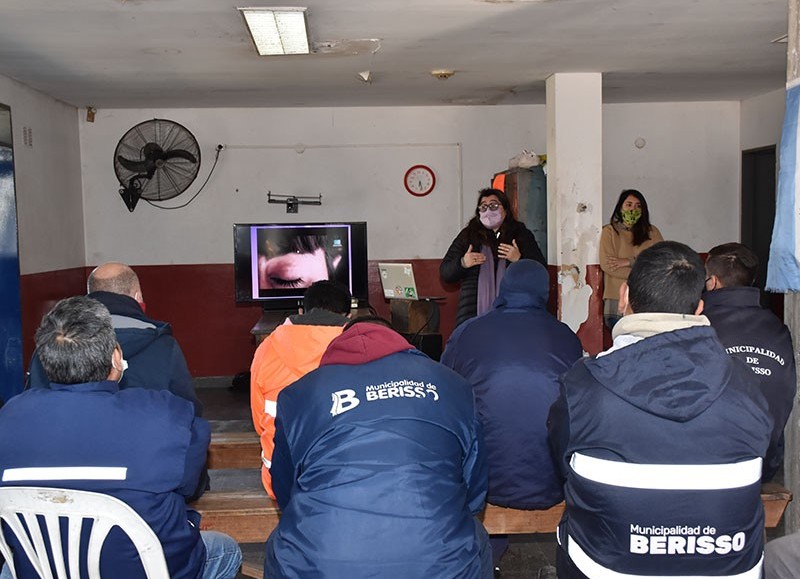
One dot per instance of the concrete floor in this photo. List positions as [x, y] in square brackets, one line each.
[228, 410]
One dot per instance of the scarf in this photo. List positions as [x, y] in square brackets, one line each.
[489, 279]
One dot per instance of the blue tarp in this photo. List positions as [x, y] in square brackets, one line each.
[783, 270]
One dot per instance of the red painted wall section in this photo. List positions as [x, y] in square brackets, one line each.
[214, 333]
[198, 300]
[40, 292]
[592, 331]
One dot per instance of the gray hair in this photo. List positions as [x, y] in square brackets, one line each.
[76, 341]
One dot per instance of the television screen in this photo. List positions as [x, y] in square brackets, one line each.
[275, 262]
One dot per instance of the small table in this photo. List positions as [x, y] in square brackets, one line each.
[418, 322]
[270, 320]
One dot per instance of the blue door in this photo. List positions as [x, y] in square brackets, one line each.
[11, 368]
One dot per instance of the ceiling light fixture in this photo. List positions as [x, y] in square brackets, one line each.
[278, 30]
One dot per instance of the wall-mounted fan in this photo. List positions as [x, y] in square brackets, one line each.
[156, 160]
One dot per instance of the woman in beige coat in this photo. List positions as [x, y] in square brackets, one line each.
[624, 238]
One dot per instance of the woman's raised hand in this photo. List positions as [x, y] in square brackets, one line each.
[472, 258]
[510, 252]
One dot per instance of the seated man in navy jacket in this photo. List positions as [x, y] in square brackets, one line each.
[754, 335]
[378, 467]
[154, 357]
[661, 439]
[144, 447]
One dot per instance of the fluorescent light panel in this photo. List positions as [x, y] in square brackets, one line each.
[277, 30]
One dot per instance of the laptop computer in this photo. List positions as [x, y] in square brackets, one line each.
[398, 282]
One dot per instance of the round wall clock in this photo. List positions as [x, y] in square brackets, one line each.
[419, 180]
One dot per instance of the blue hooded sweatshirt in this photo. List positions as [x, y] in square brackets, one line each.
[513, 356]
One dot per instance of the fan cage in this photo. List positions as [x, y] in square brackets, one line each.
[173, 176]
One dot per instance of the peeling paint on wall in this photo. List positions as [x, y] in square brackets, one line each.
[578, 248]
[575, 294]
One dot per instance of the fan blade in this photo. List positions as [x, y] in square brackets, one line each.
[179, 154]
[137, 166]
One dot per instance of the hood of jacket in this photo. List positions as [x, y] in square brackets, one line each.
[299, 346]
[362, 343]
[526, 285]
[135, 331]
[672, 374]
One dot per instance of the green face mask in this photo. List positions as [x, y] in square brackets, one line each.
[630, 216]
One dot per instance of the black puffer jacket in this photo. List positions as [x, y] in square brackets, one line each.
[451, 271]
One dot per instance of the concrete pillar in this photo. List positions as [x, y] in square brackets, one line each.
[575, 199]
[792, 313]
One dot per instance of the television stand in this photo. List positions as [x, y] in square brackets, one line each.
[270, 319]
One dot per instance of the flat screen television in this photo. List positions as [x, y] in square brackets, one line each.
[274, 263]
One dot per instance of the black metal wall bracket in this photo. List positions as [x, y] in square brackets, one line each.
[293, 202]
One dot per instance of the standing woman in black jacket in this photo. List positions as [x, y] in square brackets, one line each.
[479, 254]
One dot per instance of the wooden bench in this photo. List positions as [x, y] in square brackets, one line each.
[250, 516]
[234, 450]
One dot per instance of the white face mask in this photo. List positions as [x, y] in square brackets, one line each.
[124, 363]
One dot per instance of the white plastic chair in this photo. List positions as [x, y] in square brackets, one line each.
[25, 503]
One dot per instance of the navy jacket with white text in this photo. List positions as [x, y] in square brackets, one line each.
[661, 443]
[759, 339]
[378, 467]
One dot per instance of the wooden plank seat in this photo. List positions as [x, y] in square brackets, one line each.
[249, 516]
[234, 450]
[775, 499]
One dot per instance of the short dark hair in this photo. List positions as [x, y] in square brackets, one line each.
[667, 277]
[76, 341]
[733, 263]
[327, 295]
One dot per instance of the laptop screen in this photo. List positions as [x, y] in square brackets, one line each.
[398, 282]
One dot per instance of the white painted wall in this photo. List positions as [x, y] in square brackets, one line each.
[762, 120]
[688, 170]
[355, 157]
[47, 180]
